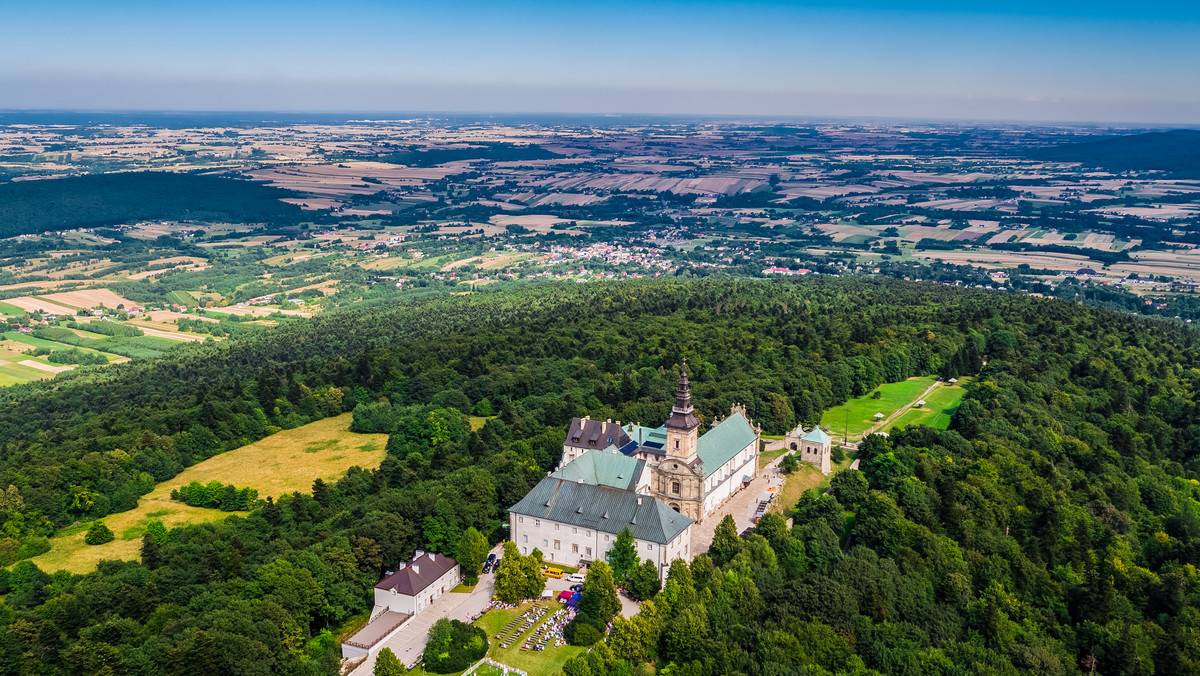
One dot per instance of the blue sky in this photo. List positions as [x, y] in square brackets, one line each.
[1021, 60]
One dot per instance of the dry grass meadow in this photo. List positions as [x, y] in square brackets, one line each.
[282, 463]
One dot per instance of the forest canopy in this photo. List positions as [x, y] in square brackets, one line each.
[97, 200]
[1053, 527]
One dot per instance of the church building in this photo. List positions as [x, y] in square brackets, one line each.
[693, 474]
[655, 481]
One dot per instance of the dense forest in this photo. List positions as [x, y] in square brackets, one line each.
[1054, 528]
[28, 207]
[1176, 151]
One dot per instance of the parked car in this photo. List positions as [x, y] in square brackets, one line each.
[576, 577]
[576, 587]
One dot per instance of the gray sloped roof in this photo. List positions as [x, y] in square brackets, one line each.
[724, 441]
[588, 433]
[609, 510]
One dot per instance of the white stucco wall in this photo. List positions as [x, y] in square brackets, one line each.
[566, 544]
[411, 605]
[727, 480]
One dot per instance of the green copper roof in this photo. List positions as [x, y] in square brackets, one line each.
[817, 436]
[608, 510]
[724, 441]
[603, 468]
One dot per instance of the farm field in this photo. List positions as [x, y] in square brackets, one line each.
[858, 415]
[940, 405]
[545, 663]
[279, 464]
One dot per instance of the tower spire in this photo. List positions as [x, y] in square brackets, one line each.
[682, 414]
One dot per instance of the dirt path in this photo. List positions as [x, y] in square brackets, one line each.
[900, 411]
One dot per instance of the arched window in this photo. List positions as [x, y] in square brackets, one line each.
[675, 506]
[675, 487]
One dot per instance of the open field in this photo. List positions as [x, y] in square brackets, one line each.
[89, 298]
[30, 304]
[858, 415]
[941, 403]
[282, 463]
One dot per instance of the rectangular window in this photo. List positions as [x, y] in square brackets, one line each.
[649, 546]
[555, 526]
[574, 549]
[588, 533]
[520, 519]
[587, 552]
[558, 544]
[537, 522]
[574, 531]
[545, 542]
[526, 538]
[606, 538]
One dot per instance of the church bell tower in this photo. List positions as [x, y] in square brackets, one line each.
[682, 426]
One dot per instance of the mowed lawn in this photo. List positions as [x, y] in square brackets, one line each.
[941, 403]
[282, 463]
[545, 663]
[861, 410]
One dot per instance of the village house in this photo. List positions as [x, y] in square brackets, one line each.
[416, 584]
[400, 596]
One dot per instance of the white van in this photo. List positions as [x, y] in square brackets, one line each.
[576, 577]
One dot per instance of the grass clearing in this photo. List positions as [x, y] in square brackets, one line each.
[794, 486]
[767, 457]
[545, 663]
[858, 415]
[940, 405]
[478, 421]
[274, 466]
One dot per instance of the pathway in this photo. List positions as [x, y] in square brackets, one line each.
[409, 643]
[899, 412]
[741, 506]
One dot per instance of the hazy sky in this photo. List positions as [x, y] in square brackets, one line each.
[1047, 60]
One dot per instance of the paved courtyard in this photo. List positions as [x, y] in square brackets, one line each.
[742, 506]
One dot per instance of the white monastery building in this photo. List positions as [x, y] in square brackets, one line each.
[656, 482]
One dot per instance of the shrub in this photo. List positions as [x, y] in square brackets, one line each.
[98, 534]
[789, 464]
[582, 633]
[837, 454]
[33, 546]
[454, 646]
